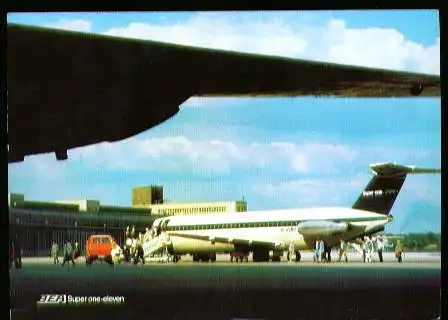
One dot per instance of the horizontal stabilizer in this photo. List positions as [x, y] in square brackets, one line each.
[389, 169]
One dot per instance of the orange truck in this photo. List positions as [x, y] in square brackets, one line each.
[99, 247]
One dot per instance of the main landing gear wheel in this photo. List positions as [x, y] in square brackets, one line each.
[298, 256]
[260, 255]
[109, 260]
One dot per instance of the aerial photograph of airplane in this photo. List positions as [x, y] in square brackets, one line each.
[149, 151]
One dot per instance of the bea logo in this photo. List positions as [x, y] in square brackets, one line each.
[52, 299]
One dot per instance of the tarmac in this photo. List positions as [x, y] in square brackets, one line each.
[224, 290]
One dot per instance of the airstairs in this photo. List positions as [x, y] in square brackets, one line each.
[153, 249]
[153, 246]
[357, 247]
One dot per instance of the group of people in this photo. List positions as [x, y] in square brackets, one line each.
[322, 252]
[368, 249]
[70, 253]
[133, 249]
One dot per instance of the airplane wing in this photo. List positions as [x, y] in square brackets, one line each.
[70, 89]
[246, 241]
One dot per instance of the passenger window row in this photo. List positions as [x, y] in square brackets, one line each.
[234, 225]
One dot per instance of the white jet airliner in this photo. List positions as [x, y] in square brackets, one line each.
[263, 232]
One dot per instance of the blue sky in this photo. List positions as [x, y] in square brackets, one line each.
[276, 152]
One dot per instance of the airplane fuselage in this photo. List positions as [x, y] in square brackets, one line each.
[280, 227]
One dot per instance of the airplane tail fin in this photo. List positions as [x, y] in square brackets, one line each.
[380, 194]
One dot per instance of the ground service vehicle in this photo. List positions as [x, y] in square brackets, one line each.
[99, 247]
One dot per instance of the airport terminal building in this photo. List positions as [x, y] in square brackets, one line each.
[38, 223]
[151, 197]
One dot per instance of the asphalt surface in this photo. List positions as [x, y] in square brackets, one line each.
[222, 290]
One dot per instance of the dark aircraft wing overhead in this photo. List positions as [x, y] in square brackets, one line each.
[69, 89]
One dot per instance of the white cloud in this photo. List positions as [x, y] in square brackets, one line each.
[178, 153]
[303, 193]
[217, 156]
[271, 37]
[39, 166]
[332, 42]
[340, 190]
[384, 48]
[72, 24]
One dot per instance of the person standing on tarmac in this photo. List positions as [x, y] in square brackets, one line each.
[127, 233]
[379, 247]
[77, 251]
[133, 232]
[363, 247]
[164, 249]
[371, 248]
[316, 250]
[399, 251]
[322, 250]
[368, 249]
[16, 252]
[147, 236]
[325, 258]
[11, 253]
[55, 252]
[291, 251]
[169, 249]
[68, 253]
[342, 250]
[127, 252]
[139, 254]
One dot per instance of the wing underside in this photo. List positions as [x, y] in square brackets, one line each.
[69, 89]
